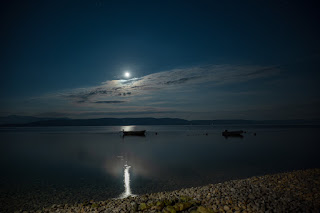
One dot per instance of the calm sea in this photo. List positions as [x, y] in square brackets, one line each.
[41, 166]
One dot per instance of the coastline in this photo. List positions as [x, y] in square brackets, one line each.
[297, 191]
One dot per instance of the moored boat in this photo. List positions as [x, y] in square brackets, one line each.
[134, 133]
[227, 133]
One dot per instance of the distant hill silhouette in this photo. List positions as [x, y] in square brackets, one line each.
[17, 119]
[104, 122]
[26, 121]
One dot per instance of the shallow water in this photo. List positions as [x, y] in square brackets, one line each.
[45, 165]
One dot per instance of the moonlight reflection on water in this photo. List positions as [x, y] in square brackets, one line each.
[126, 181]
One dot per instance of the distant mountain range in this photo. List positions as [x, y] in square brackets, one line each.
[17, 119]
[28, 121]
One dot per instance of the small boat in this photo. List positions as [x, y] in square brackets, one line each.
[227, 133]
[134, 133]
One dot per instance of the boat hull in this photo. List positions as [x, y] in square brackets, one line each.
[134, 133]
[232, 134]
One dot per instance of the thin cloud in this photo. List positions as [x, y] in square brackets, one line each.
[213, 74]
[109, 102]
[180, 81]
[136, 112]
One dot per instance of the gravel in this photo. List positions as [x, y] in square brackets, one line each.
[297, 191]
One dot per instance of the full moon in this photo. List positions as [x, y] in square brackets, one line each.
[127, 74]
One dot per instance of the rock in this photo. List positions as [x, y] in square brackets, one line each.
[193, 208]
[142, 206]
[185, 198]
[251, 196]
[170, 209]
[202, 209]
[134, 206]
[94, 205]
[186, 205]
[160, 205]
[168, 202]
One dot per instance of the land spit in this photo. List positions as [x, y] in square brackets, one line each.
[297, 191]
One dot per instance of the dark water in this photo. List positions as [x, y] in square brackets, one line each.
[42, 166]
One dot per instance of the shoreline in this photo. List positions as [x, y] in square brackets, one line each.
[296, 191]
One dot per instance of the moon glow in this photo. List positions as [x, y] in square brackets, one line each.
[127, 74]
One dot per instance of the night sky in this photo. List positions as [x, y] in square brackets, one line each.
[186, 59]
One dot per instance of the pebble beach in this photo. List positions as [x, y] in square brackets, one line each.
[297, 191]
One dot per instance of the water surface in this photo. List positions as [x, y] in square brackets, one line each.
[45, 165]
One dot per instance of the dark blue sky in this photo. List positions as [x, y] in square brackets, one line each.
[187, 59]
